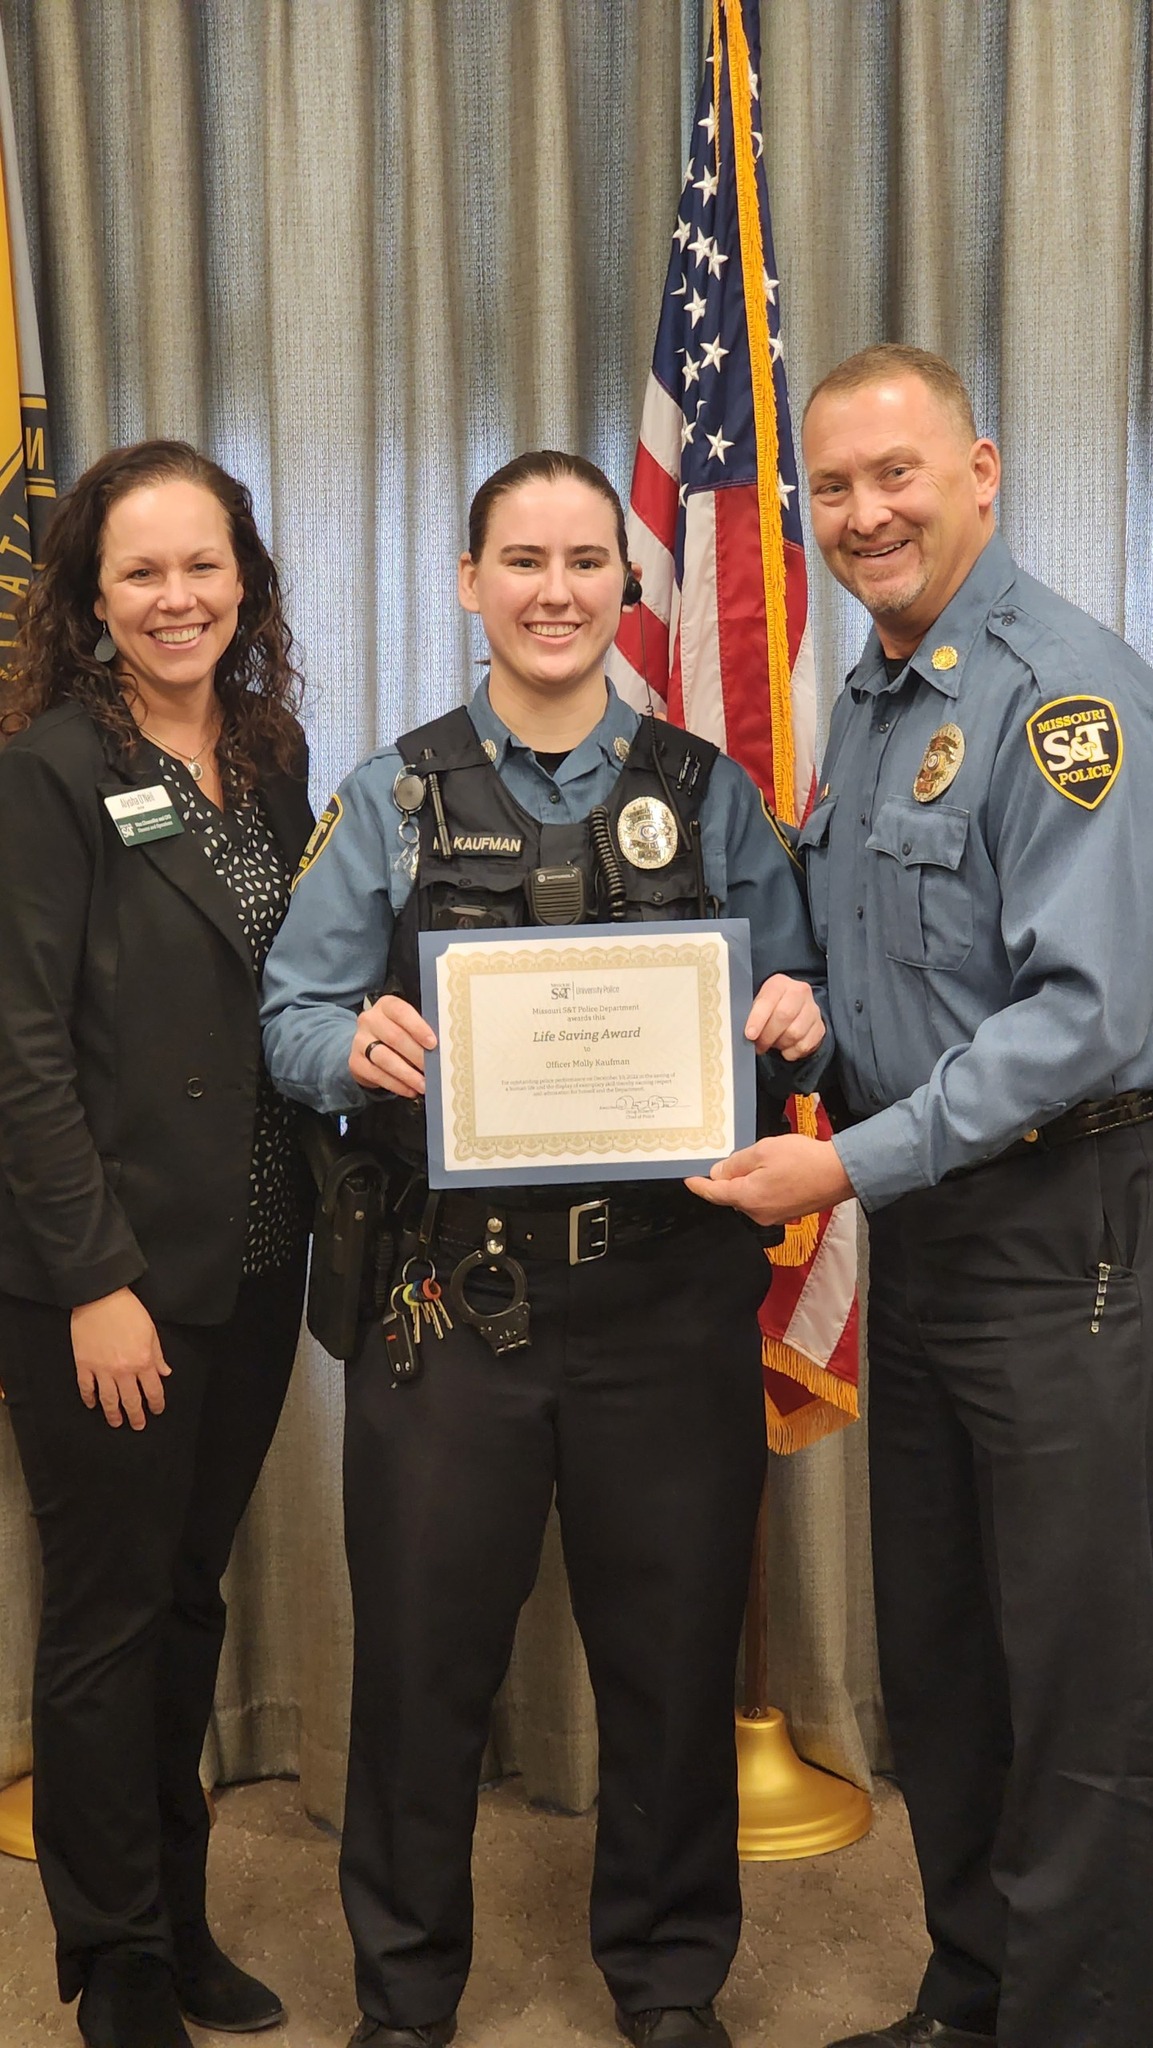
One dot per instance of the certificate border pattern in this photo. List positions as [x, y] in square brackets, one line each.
[689, 1141]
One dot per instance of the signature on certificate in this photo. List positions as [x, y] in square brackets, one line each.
[643, 1105]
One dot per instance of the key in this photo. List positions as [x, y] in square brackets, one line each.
[396, 1330]
[438, 1307]
[412, 1302]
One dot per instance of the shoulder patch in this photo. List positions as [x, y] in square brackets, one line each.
[319, 837]
[781, 832]
[1077, 744]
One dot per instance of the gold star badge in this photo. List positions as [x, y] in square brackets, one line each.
[944, 657]
[943, 756]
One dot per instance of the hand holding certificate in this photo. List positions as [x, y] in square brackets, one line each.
[598, 1052]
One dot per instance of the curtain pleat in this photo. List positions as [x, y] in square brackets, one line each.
[364, 250]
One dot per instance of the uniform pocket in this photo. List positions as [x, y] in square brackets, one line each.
[813, 850]
[1114, 1166]
[922, 898]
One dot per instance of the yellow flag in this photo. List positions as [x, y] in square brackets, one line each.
[27, 482]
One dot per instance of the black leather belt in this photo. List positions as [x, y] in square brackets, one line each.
[577, 1234]
[1089, 1119]
[1086, 1120]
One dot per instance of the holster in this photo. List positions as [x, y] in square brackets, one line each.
[351, 1186]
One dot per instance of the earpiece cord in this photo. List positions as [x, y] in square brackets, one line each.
[608, 863]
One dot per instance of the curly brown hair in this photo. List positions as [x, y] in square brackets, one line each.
[257, 682]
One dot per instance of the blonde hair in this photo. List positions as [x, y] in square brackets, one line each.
[886, 359]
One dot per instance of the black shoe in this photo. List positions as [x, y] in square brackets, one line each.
[914, 2030]
[378, 2034]
[212, 1991]
[674, 2026]
[129, 2001]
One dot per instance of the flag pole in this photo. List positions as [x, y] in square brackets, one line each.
[714, 526]
[788, 1808]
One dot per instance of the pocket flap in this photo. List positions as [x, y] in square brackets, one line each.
[918, 837]
[815, 829]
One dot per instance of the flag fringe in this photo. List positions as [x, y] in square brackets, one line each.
[802, 1237]
[833, 1408]
[765, 420]
[799, 1245]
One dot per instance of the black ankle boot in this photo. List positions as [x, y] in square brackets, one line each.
[129, 2001]
[213, 1991]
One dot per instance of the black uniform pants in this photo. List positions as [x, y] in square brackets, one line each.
[640, 1401]
[135, 1532]
[1011, 1448]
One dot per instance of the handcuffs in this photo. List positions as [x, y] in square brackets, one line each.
[503, 1329]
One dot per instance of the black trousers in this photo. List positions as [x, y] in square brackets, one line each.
[135, 1531]
[1011, 1448]
[640, 1401]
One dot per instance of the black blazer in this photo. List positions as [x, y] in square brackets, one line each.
[129, 1036]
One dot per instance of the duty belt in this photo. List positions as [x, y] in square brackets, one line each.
[484, 1235]
[578, 1234]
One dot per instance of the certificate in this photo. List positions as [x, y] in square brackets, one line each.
[587, 1052]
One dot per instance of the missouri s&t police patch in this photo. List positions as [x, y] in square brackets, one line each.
[1076, 743]
[322, 832]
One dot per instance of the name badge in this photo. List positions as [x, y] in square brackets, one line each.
[141, 814]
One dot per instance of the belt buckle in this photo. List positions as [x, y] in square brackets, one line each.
[588, 1232]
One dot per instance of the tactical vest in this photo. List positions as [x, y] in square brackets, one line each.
[484, 863]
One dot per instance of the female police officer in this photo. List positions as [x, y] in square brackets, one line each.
[639, 1397]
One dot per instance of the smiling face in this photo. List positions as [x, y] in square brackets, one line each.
[901, 500]
[169, 585]
[547, 586]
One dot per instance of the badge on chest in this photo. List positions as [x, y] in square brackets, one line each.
[943, 756]
[143, 814]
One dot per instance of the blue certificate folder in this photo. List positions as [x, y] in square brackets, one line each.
[489, 1172]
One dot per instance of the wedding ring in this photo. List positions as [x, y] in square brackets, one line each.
[370, 1048]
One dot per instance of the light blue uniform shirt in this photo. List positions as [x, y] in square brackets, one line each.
[332, 948]
[990, 951]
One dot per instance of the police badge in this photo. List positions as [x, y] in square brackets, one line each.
[943, 756]
[647, 833]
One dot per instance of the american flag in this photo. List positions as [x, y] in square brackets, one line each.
[722, 631]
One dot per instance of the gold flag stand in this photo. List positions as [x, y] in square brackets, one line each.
[787, 1808]
[16, 1820]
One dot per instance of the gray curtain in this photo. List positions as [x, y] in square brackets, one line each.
[363, 250]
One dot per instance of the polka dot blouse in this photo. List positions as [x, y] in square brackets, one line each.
[246, 854]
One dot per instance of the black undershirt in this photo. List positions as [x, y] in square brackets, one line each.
[551, 762]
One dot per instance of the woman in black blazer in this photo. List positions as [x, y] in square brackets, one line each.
[152, 811]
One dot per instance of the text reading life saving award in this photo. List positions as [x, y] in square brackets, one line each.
[602, 1052]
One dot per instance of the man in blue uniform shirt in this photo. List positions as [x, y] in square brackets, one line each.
[979, 876]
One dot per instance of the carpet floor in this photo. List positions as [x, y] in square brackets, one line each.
[830, 1945]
